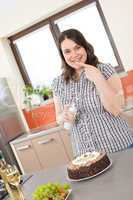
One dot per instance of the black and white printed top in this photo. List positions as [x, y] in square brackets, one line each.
[94, 127]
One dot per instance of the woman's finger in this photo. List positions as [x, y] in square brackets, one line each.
[82, 64]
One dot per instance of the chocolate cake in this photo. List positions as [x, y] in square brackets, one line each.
[87, 165]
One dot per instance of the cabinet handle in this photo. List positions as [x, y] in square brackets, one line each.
[46, 141]
[23, 147]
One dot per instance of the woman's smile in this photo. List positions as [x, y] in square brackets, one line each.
[73, 53]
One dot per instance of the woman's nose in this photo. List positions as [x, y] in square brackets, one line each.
[74, 54]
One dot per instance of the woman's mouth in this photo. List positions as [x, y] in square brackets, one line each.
[76, 60]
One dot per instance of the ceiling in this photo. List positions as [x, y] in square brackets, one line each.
[16, 15]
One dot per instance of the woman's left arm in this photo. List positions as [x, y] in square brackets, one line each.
[111, 93]
[110, 90]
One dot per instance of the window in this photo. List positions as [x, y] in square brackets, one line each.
[40, 56]
[93, 30]
[36, 51]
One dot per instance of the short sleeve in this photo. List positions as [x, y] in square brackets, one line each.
[107, 70]
[56, 86]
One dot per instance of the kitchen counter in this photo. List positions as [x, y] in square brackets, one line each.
[28, 136]
[116, 183]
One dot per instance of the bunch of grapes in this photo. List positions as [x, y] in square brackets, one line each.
[51, 191]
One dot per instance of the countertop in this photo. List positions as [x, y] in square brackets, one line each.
[28, 136]
[116, 183]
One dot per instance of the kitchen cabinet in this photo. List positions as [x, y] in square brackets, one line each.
[26, 156]
[48, 149]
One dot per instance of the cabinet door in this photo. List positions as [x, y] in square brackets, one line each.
[65, 136]
[26, 157]
[50, 150]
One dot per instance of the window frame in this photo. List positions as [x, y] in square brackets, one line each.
[55, 33]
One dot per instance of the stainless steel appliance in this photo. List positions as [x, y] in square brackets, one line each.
[11, 125]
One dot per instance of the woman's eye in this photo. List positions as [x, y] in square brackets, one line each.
[66, 52]
[78, 47]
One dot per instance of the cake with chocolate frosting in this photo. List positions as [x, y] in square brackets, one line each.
[87, 165]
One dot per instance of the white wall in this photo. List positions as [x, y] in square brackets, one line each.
[119, 16]
[16, 15]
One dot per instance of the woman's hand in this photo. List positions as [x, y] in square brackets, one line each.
[68, 116]
[92, 73]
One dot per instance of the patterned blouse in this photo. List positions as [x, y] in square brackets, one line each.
[95, 128]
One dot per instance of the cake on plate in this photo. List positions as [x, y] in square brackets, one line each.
[87, 165]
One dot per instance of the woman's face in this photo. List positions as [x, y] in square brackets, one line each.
[73, 53]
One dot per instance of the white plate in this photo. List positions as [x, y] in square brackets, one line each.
[89, 177]
[69, 192]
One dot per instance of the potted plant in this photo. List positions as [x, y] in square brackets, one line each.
[39, 113]
[46, 92]
[31, 96]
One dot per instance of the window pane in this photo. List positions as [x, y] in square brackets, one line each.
[92, 29]
[40, 56]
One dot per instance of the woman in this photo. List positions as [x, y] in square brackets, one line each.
[96, 91]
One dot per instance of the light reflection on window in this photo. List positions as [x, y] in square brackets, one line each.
[40, 56]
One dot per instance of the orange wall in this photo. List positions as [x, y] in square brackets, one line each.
[40, 116]
[127, 83]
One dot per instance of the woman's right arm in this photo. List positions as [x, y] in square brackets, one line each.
[58, 110]
[63, 114]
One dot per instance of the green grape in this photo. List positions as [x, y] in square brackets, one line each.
[50, 191]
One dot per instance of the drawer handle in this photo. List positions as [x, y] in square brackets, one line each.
[23, 147]
[46, 141]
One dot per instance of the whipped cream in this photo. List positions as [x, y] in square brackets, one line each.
[84, 158]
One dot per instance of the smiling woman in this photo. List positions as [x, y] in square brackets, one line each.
[75, 50]
[89, 84]
[73, 54]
